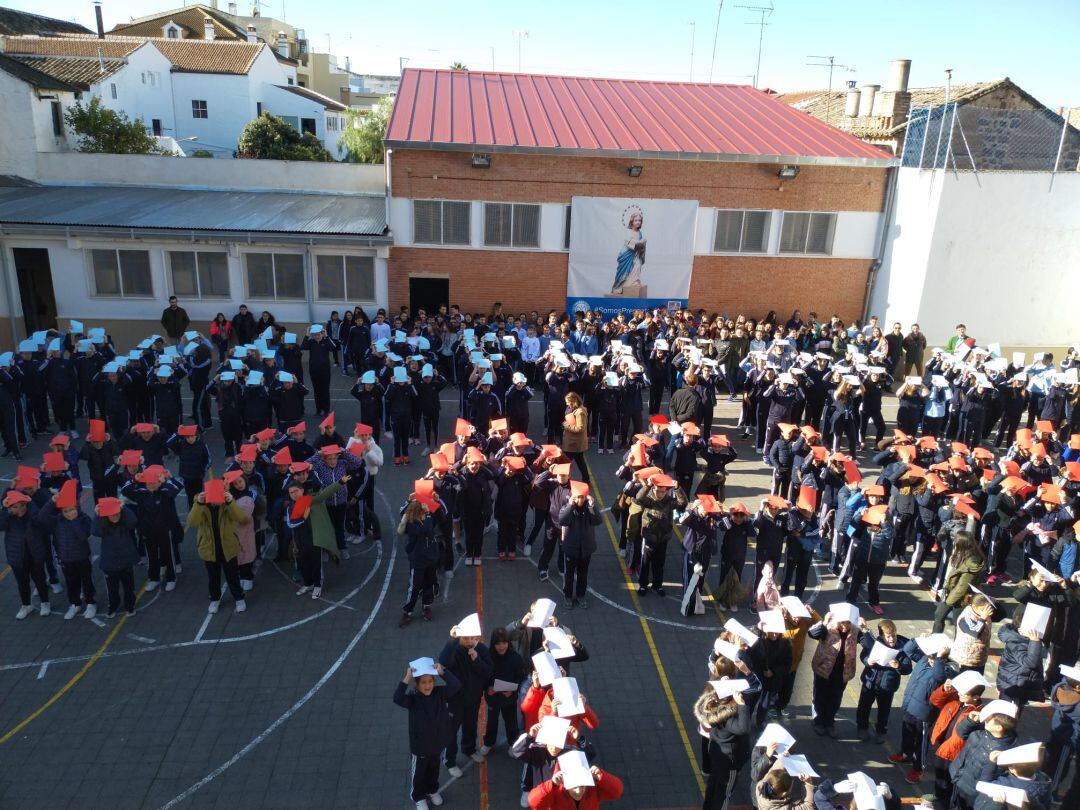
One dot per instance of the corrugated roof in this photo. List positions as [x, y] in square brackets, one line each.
[192, 209]
[33, 76]
[227, 56]
[311, 95]
[79, 71]
[23, 22]
[447, 109]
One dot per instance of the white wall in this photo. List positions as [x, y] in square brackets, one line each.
[18, 142]
[230, 105]
[251, 175]
[136, 94]
[1000, 253]
[282, 102]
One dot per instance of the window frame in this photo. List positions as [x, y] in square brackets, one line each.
[198, 294]
[204, 109]
[739, 251]
[56, 109]
[116, 251]
[834, 218]
[273, 254]
[442, 223]
[514, 206]
[344, 278]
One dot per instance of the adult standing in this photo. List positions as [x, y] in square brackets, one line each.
[220, 332]
[244, 326]
[174, 320]
[216, 518]
[914, 351]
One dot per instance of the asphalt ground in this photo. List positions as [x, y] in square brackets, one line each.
[289, 704]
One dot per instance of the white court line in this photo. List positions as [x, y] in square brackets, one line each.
[41, 672]
[299, 704]
[99, 623]
[142, 639]
[202, 630]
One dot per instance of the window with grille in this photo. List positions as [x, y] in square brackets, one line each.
[275, 275]
[741, 232]
[123, 273]
[511, 225]
[441, 222]
[199, 273]
[345, 278]
[198, 108]
[805, 232]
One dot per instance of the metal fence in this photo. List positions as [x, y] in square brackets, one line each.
[963, 137]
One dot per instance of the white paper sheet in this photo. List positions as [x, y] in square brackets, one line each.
[882, 655]
[1036, 617]
[553, 731]
[742, 631]
[558, 643]
[565, 690]
[775, 733]
[797, 765]
[543, 611]
[547, 668]
[1013, 796]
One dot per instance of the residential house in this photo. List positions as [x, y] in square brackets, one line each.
[23, 23]
[34, 104]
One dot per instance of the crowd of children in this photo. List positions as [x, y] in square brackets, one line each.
[950, 506]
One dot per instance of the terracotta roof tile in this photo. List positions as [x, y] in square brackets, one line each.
[190, 19]
[187, 55]
[79, 71]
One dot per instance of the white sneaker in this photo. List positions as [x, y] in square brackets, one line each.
[476, 756]
[170, 585]
[178, 568]
[485, 750]
[56, 587]
[303, 590]
[71, 612]
[316, 593]
[422, 805]
[91, 612]
[213, 607]
[245, 584]
[477, 561]
[524, 798]
[151, 585]
[468, 561]
[241, 605]
[45, 609]
[24, 611]
[528, 549]
[435, 799]
[454, 771]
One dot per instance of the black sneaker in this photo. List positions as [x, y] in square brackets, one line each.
[659, 590]
[642, 590]
[543, 575]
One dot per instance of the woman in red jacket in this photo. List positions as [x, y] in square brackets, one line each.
[553, 795]
[220, 332]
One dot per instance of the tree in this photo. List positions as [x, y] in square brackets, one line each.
[458, 66]
[270, 138]
[362, 139]
[102, 130]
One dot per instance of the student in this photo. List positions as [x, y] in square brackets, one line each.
[727, 723]
[965, 564]
[215, 517]
[578, 519]
[984, 734]
[475, 503]
[778, 790]
[115, 525]
[509, 667]
[424, 551]
[736, 530]
[780, 457]
[971, 644]
[62, 519]
[1065, 731]
[430, 727]
[770, 527]
[1020, 671]
[310, 527]
[770, 659]
[513, 481]
[400, 400]
[1026, 776]
[428, 404]
[871, 542]
[954, 700]
[466, 656]
[929, 672]
[700, 522]
[26, 549]
[879, 682]
[190, 448]
[833, 665]
[152, 495]
[658, 500]
[551, 489]
[553, 794]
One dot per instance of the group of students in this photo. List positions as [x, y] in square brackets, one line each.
[522, 680]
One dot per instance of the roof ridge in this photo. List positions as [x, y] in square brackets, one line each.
[571, 76]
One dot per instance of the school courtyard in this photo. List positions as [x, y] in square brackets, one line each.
[289, 704]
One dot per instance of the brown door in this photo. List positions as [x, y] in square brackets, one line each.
[35, 288]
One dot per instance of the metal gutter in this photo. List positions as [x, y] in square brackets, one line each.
[883, 238]
[190, 235]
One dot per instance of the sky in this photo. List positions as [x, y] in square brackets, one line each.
[1032, 42]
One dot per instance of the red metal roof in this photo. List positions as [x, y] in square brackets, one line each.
[518, 112]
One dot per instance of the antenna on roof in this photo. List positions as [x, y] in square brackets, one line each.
[765, 11]
[830, 63]
[715, 36]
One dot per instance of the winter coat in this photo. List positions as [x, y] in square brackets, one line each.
[959, 578]
[576, 431]
[972, 764]
[972, 640]
[1020, 671]
[924, 679]
[1037, 789]
[430, 722]
[830, 643]
[658, 514]
[474, 675]
[882, 679]
[229, 518]
[119, 551]
[549, 796]
[1065, 721]
[72, 536]
[245, 532]
[798, 798]
[579, 524]
[421, 544]
[23, 539]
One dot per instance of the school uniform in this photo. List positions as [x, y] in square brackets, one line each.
[804, 538]
[554, 497]
[657, 523]
[72, 538]
[288, 404]
[578, 545]
[229, 397]
[833, 666]
[119, 555]
[926, 676]
[430, 728]
[26, 548]
[511, 506]
[972, 764]
[734, 538]
[509, 667]
[780, 457]
[168, 408]
[699, 546]
[464, 706]
[879, 683]
[771, 538]
[157, 524]
[320, 354]
[424, 552]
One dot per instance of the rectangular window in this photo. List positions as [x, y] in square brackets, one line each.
[308, 125]
[292, 120]
[199, 273]
[124, 273]
[57, 119]
[155, 126]
[441, 222]
[804, 232]
[331, 123]
[346, 278]
[511, 225]
[112, 90]
[198, 108]
[741, 232]
[275, 275]
[566, 231]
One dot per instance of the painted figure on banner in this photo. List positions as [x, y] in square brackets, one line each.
[631, 259]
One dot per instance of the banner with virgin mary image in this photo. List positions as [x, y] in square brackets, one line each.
[628, 254]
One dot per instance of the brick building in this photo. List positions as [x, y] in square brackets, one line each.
[483, 169]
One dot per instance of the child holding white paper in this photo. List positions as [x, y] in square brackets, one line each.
[983, 735]
[1065, 732]
[727, 721]
[884, 662]
[430, 725]
[778, 790]
[833, 665]
[564, 790]
[467, 657]
[1020, 672]
[508, 671]
[1037, 793]
[955, 700]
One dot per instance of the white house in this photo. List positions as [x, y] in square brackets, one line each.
[34, 104]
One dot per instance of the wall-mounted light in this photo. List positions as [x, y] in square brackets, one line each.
[788, 172]
[481, 161]
[634, 171]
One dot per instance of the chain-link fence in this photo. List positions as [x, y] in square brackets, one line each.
[963, 137]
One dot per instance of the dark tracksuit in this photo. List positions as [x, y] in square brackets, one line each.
[511, 506]
[153, 449]
[430, 729]
[781, 458]
[119, 555]
[87, 367]
[320, 355]
[371, 406]
[288, 404]
[579, 544]
[465, 705]
[715, 476]
[657, 522]
[256, 408]
[424, 551]
[699, 545]
[517, 408]
[168, 408]
[879, 683]
[734, 539]
[62, 383]
[73, 549]
[483, 407]
[230, 411]
[428, 410]
[771, 539]
[682, 456]
[475, 507]
[630, 406]
[558, 386]
[400, 402]
[26, 548]
[804, 538]
[509, 667]
[157, 524]
[556, 496]
[111, 401]
[869, 555]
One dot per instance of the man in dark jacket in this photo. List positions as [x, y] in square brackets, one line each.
[244, 326]
[174, 320]
[686, 402]
[578, 518]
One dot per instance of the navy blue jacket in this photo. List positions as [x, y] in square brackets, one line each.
[430, 722]
[23, 540]
[876, 678]
[1037, 789]
[72, 536]
[925, 678]
[1065, 722]
[1021, 663]
[118, 549]
[972, 764]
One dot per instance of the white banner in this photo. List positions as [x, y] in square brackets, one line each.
[628, 253]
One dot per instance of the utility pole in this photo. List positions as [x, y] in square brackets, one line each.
[830, 63]
[765, 11]
[715, 36]
[693, 36]
[520, 36]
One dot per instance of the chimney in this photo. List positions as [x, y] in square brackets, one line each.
[208, 28]
[214, 4]
[866, 99]
[345, 95]
[851, 101]
[348, 64]
[100, 21]
[899, 70]
[251, 35]
[282, 44]
[255, 11]
[232, 9]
